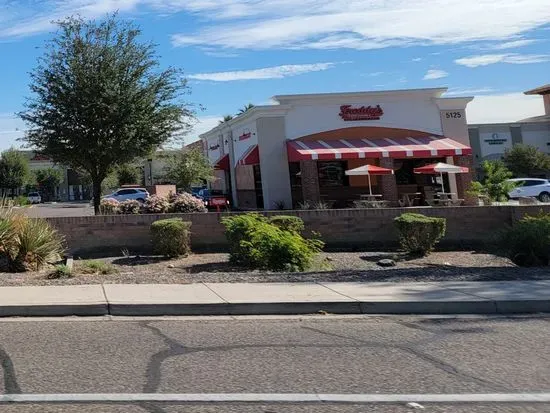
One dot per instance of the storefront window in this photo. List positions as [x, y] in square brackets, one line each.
[295, 174]
[332, 174]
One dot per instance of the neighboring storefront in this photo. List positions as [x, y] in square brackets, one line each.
[299, 149]
[490, 141]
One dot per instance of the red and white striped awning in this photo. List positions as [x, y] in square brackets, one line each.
[250, 157]
[424, 147]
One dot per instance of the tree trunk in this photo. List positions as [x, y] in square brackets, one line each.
[96, 184]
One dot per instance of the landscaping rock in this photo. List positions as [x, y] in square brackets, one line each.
[171, 266]
[386, 263]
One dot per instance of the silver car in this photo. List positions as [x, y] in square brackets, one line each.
[531, 187]
[124, 194]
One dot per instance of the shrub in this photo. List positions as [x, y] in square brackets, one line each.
[109, 206]
[527, 243]
[96, 267]
[156, 205]
[36, 244]
[60, 271]
[418, 233]
[188, 203]
[21, 200]
[130, 207]
[288, 223]
[257, 243]
[171, 237]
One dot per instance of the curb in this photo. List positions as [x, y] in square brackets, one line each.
[281, 308]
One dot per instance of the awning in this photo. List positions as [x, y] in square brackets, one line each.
[222, 164]
[250, 157]
[424, 147]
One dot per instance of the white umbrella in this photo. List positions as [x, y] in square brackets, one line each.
[369, 170]
[441, 168]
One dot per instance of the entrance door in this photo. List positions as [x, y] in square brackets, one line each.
[258, 187]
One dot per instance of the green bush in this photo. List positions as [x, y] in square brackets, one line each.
[418, 233]
[36, 244]
[288, 223]
[156, 205]
[171, 237]
[96, 267]
[255, 242]
[21, 200]
[109, 206]
[60, 271]
[130, 207]
[527, 243]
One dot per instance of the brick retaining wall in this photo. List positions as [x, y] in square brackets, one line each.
[360, 229]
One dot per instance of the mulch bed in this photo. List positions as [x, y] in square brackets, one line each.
[340, 266]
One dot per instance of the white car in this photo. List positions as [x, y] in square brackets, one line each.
[34, 198]
[124, 194]
[531, 187]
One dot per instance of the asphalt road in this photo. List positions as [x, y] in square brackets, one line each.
[62, 209]
[359, 355]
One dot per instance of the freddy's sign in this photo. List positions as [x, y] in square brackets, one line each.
[350, 113]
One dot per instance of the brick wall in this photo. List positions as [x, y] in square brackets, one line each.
[388, 184]
[310, 181]
[463, 180]
[359, 229]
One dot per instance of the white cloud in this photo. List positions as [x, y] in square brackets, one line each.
[11, 129]
[359, 24]
[204, 124]
[514, 44]
[489, 59]
[275, 72]
[509, 107]
[416, 59]
[469, 91]
[435, 74]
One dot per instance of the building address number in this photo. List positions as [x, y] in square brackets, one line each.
[453, 115]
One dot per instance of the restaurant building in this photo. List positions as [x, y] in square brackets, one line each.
[298, 149]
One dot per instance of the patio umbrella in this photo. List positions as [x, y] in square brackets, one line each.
[441, 168]
[369, 170]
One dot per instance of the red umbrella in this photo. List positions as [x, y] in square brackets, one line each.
[369, 170]
[440, 168]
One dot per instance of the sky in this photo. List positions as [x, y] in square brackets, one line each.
[236, 52]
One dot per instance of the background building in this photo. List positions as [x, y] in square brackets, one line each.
[489, 141]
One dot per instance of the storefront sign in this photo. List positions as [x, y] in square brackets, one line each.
[349, 113]
[40, 157]
[214, 147]
[495, 140]
[245, 136]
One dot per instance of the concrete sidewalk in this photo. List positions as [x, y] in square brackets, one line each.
[503, 297]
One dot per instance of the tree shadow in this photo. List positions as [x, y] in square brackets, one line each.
[220, 266]
[140, 260]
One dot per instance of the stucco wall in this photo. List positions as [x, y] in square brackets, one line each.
[349, 228]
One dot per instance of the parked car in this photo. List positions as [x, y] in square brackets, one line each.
[531, 187]
[34, 198]
[206, 195]
[124, 194]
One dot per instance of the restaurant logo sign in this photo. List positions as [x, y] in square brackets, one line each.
[246, 135]
[350, 113]
[214, 147]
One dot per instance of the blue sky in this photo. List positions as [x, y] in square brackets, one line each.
[240, 51]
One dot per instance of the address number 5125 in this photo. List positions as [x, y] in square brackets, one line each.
[453, 115]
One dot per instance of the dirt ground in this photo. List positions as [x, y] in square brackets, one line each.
[338, 266]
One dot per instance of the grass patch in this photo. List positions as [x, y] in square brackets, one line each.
[96, 267]
[60, 272]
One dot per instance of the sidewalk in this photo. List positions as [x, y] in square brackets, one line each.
[503, 297]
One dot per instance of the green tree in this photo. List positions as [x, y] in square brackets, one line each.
[188, 167]
[99, 98]
[245, 108]
[47, 180]
[526, 160]
[14, 171]
[128, 174]
[495, 185]
[226, 118]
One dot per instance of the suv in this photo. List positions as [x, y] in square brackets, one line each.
[124, 194]
[531, 187]
[34, 198]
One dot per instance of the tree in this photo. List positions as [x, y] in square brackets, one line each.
[128, 174]
[226, 118]
[99, 98]
[48, 179]
[14, 171]
[526, 160]
[188, 167]
[245, 108]
[495, 185]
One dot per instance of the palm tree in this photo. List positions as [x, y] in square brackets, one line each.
[226, 118]
[245, 109]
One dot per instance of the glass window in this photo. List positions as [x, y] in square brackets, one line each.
[126, 192]
[532, 182]
[332, 174]
[295, 174]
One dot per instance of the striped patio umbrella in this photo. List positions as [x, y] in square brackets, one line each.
[369, 170]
